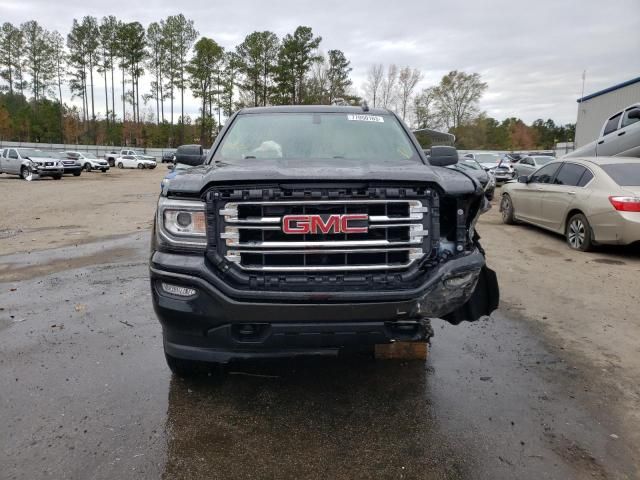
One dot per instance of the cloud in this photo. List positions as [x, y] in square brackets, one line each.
[532, 54]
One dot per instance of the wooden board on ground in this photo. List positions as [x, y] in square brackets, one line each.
[402, 351]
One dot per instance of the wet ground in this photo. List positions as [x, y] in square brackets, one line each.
[85, 393]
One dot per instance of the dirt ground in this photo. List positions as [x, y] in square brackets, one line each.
[584, 305]
[51, 213]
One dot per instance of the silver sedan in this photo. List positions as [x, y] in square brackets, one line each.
[589, 200]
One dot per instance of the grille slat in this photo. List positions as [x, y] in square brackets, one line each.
[255, 240]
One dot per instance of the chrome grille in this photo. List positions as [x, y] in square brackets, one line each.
[253, 237]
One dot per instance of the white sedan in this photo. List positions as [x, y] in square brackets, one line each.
[133, 161]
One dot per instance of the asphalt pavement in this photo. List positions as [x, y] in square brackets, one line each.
[85, 394]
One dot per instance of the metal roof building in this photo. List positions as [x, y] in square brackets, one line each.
[594, 109]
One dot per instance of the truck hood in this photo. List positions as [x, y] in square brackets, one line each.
[197, 179]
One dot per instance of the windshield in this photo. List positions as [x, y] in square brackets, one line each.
[543, 160]
[31, 153]
[624, 174]
[487, 157]
[304, 136]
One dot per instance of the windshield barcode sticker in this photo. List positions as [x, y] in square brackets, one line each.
[366, 118]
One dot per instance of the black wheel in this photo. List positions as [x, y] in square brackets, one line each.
[57, 177]
[506, 207]
[26, 174]
[76, 174]
[490, 196]
[87, 167]
[120, 165]
[579, 233]
[112, 162]
[104, 170]
[140, 166]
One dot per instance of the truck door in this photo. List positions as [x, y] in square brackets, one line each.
[629, 134]
[12, 162]
[609, 142]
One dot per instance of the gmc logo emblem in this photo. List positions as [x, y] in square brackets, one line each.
[314, 224]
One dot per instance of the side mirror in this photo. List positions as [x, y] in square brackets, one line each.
[635, 113]
[523, 179]
[443, 156]
[190, 155]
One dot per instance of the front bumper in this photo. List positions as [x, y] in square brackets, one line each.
[211, 325]
[44, 171]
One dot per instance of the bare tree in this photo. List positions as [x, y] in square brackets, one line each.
[407, 81]
[425, 111]
[375, 77]
[389, 86]
[457, 97]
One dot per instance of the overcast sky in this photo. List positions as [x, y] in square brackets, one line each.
[532, 54]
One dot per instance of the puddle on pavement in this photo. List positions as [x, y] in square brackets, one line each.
[608, 261]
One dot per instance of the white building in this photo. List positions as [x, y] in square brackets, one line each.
[594, 109]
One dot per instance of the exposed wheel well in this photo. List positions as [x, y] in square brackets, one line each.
[571, 214]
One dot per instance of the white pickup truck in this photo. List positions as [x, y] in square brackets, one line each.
[113, 155]
[619, 137]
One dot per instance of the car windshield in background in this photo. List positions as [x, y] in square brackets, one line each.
[30, 153]
[472, 164]
[487, 157]
[624, 174]
[543, 160]
[303, 136]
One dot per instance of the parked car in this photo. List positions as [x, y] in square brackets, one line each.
[168, 156]
[473, 168]
[496, 163]
[330, 214]
[589, 200]
[71, 165]
[112, 156]
[30, 163]
[133, 161]
[529, 164]
[619, 136]
[89, 161]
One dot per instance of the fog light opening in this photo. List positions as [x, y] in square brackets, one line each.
[178, 290]
[458, 280]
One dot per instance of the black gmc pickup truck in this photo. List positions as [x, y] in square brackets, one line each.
[310, 229]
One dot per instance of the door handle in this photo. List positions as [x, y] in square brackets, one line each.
[622, 133]
[571, 193]
[600, 142]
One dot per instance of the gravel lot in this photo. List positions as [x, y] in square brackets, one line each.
[547, 388]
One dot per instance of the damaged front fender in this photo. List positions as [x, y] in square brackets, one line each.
[483, 301]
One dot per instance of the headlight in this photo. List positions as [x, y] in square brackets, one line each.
[182, 223]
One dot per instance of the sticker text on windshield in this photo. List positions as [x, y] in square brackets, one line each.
[365, 118]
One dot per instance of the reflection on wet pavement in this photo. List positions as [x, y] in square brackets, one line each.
[308, 418]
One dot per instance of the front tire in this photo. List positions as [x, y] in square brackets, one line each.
[26, 174]
[120, 165]
[87, 167]
[76, 174]
[578, 233]
[57, 177]
[506, 207]
[140, 166]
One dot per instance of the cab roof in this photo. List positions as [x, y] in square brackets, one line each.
[314, 109]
